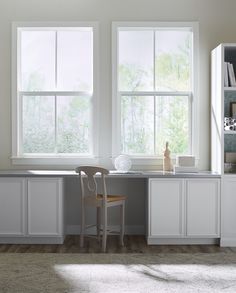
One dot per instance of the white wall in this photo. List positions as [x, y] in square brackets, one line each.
[217, 24]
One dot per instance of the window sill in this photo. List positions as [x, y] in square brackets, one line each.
[59, 160]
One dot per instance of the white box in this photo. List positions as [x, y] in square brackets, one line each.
[186, 161]
[180, 169]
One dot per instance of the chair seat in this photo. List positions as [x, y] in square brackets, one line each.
[112, 198]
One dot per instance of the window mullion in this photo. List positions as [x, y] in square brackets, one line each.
[190, 121]
[53, 93]
[154, 63]
[154, 125]
[55, 122]
[56, 43]
[154, 87]
[20, 125]
[155, 93]
[19, 70]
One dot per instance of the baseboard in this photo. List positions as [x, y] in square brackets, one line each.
[32, 240]
[130, 230]
[182, 241]
[228, 242]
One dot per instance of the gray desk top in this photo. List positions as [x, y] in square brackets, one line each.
[113, 174]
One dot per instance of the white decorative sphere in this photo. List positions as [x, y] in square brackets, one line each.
[123, 163]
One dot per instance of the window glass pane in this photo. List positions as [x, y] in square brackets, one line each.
[137, 125]
[37, 60]
[135, 68]
[173, 60]
[75, 60]
[38, 124]
[73, 129]
[172, 124]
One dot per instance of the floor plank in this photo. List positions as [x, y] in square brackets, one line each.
[132, 244]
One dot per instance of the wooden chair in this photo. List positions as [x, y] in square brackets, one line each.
[91, 197]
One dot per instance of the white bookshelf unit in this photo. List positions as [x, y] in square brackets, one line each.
[223, 142]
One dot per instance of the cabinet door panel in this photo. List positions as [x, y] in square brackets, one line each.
[202, 206]
[44, 207]
[12, 203]
[165, 207]
[229, 207]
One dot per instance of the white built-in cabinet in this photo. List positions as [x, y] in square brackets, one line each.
[181, 209]
[31, 210]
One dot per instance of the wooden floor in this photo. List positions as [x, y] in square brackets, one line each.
[133, 244]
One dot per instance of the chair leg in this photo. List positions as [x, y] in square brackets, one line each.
[104, 236]
[98, 222]
[122, 223]
[82, 226]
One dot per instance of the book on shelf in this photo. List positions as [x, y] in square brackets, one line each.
[226, 76]
[230, 75]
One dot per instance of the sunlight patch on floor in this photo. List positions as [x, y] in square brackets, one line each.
[147, 278]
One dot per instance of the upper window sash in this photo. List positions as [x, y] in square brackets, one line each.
[143, 54]
[48, 59]
[154, 26]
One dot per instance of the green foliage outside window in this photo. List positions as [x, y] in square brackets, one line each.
[172, 112]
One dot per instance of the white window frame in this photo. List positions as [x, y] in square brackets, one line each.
[116, 95]
[52, 159]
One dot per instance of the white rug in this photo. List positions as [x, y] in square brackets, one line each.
[103, 273]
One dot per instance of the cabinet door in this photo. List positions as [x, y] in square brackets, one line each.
[202, 207]
[12, 206]
[45, 206]
[166, 207]
[229, 210]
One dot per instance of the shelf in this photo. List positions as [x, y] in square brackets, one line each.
[229, 173]
[229, 131]
[230, 89]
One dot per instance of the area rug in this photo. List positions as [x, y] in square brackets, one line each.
[103, 273]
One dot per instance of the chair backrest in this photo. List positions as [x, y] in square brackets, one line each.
[88, 182]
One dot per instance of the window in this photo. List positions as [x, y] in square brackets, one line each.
[54, 91]
[154, 88]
